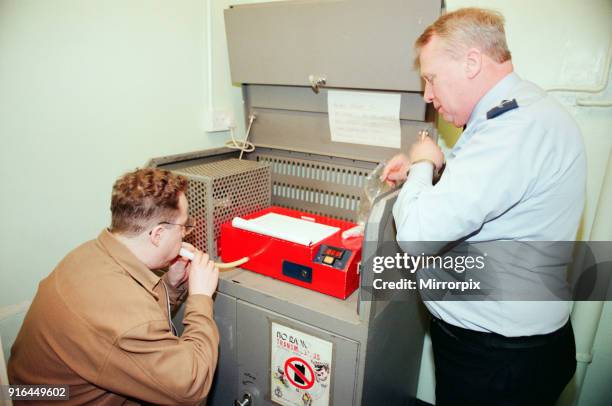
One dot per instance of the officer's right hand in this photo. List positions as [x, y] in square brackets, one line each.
[426, 148]
[395, 171]
[203, 275]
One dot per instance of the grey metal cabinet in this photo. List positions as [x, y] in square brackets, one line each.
[254, 374]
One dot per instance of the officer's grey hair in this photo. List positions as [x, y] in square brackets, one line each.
[466, 28]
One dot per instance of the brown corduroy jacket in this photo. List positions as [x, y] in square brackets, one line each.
[99, 323]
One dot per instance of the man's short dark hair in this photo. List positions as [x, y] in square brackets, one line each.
[144, 198]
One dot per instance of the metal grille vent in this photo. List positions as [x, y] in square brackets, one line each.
[222, 190]
[316, 187]
[312, 196]
[197, 197]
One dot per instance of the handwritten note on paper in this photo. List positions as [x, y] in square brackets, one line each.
[364, 118]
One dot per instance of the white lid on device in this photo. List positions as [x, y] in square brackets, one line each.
[299, 231]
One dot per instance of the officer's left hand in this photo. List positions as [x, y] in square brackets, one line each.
[395, 171]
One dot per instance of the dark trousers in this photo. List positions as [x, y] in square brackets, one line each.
[474, 368]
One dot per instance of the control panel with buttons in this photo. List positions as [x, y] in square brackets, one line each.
[333, 256]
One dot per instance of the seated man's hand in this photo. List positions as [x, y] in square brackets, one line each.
[395, 171]
[177, 272]
[427, 149]
[203, 275]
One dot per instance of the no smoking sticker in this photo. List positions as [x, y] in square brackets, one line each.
[301, 368]
[296, 367]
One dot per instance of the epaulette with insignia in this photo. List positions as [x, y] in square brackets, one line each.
[505, 105]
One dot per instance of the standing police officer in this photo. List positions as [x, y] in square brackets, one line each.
[517, 173]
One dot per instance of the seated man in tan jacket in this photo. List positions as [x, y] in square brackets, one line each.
[101, 322]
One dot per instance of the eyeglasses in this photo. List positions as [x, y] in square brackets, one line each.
[188, 226]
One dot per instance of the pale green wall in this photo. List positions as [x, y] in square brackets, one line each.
[88, 91]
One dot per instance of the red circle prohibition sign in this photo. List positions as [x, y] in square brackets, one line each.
[289, 365]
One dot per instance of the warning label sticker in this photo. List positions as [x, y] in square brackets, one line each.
[301, 368]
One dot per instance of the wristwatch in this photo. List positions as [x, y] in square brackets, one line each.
[435, 173]
[423, 160]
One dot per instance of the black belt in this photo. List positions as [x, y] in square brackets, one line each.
[495, 340]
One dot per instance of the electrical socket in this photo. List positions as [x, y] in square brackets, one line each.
[220, 120]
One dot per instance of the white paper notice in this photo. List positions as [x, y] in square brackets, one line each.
[364, 118]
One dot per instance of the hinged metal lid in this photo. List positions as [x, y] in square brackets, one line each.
[358, 44]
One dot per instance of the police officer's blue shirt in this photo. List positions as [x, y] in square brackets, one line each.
[518, 176]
